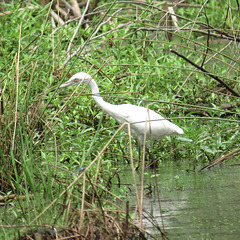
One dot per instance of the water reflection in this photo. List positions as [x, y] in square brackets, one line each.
[203, 205]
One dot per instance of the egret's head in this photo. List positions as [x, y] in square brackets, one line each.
[76, 79]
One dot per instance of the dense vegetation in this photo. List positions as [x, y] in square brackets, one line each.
[46, 137]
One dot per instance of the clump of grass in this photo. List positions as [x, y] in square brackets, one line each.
[21, 123]
[96, 226]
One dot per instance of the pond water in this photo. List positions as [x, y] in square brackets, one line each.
[200, 205]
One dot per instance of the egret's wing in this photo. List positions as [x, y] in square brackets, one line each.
[144, 120]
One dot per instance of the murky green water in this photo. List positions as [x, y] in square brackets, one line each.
[204, 205]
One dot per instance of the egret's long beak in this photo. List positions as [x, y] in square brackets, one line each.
[70, 82]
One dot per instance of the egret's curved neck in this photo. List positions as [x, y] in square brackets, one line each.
[96, 96]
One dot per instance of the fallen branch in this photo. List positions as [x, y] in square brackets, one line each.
[76, 8]
[223, 158]
[14, 196]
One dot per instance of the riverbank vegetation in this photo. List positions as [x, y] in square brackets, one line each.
[60, 155]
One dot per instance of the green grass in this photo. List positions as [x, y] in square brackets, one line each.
[46, 136]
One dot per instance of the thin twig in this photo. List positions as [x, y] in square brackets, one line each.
[17, 84]
[210, 58]
[70, 56]
[112, 30]
[208, 73]
[194, 22]
[1, 103]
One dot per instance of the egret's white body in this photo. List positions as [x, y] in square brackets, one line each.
[142, 120]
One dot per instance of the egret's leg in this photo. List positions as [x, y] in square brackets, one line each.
[139, 156]
[153, 162]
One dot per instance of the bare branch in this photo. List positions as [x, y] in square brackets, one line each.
[70, 7]
[76, 30]
[76, 8]
[57, 18]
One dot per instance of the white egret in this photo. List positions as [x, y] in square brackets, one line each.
[142, 120]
